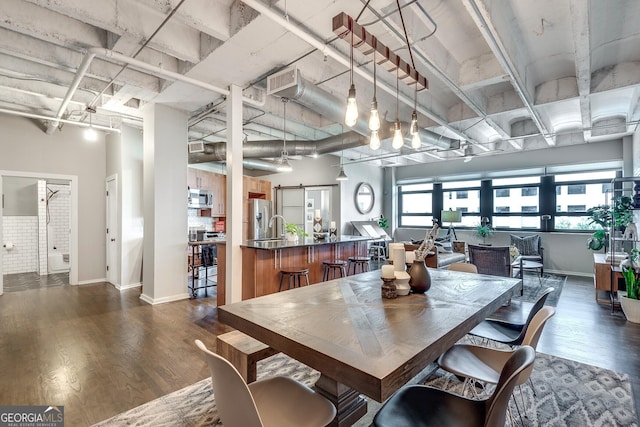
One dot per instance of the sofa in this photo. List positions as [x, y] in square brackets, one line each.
[441, 256]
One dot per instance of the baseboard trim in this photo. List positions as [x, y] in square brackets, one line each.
[569, 273]
[91, 282]
[130, 286]
[163, 300]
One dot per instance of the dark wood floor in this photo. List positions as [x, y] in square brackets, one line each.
[99, 352]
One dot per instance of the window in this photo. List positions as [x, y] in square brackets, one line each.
[511, 203]
[415, 205]
[576, 189]
[463, 196]
[576, 193]
[520, 209]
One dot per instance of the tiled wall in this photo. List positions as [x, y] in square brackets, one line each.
[42, 227]
[22, 232]
[199, 221]
[59, 212]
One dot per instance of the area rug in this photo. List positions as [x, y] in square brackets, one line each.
[568, 394]
[534, 285]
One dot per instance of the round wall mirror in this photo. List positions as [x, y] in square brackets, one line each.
[364, 198]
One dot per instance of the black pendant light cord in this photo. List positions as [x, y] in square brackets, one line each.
[404, 28]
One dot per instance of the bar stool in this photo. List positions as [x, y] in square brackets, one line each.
[358, 261]
[293, 273]
[334, 266]
[378, 252]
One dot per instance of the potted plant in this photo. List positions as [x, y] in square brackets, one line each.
[293, 232]
[618, 217]
[631, 272]
[484, 231]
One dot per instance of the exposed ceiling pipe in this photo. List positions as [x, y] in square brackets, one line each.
[91, 53]
[52, 118]
[339, 57]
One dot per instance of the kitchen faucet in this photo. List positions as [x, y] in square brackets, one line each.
[284, 221]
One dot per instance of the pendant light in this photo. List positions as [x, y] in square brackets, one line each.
[374, 118]
[90, 133]
[341, 175]
[414, 130]
[374, 141]
[351, 116]
[284, 165]
[398, 140]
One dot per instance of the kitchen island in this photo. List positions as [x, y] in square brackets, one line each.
[262, 261]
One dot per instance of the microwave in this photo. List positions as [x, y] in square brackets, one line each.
[200, 199]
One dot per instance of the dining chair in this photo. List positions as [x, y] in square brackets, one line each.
[277, 401]
[493, 260]
[485, 364]
[463, 266]
[424, 406]
[506, 332]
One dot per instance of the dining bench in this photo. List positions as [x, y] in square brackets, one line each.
[243, 352]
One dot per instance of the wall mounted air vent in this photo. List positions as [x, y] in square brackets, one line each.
[196, 147]
[282, 80]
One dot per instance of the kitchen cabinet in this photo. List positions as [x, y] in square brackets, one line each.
[199, 179]
[219, 189]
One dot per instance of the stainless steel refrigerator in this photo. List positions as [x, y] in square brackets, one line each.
[260, 211]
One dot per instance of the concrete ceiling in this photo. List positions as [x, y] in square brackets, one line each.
[504, 75]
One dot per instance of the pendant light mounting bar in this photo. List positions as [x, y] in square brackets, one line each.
[347, 29]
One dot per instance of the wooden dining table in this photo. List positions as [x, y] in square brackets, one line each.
[361, 342]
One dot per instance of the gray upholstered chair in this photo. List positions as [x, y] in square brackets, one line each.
[278, 401]
[493, 260]
[530, 248]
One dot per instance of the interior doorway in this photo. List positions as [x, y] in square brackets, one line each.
[38, 229]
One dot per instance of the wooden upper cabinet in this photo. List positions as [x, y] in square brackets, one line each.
[192, 178]
[219, 188]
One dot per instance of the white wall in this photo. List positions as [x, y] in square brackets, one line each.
[124, 159]
[323, 171]
[26, 148]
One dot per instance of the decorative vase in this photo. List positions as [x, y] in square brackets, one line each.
[420, 280]
[631, 309]
[292, 237]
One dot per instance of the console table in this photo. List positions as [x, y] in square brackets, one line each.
[602, 276]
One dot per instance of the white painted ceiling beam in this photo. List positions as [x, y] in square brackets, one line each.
[497, 27]
[132, 18]
[207, 16]
[27, 18]
[581, 41]
[40, 52]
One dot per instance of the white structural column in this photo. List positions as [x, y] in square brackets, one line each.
[164, 275]
[234, 196]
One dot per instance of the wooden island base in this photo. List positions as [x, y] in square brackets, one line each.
[262, 262]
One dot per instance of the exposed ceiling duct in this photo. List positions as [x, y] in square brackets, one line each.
[216, 152]
[289, 84]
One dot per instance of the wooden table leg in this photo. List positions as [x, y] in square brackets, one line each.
[348, 402]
